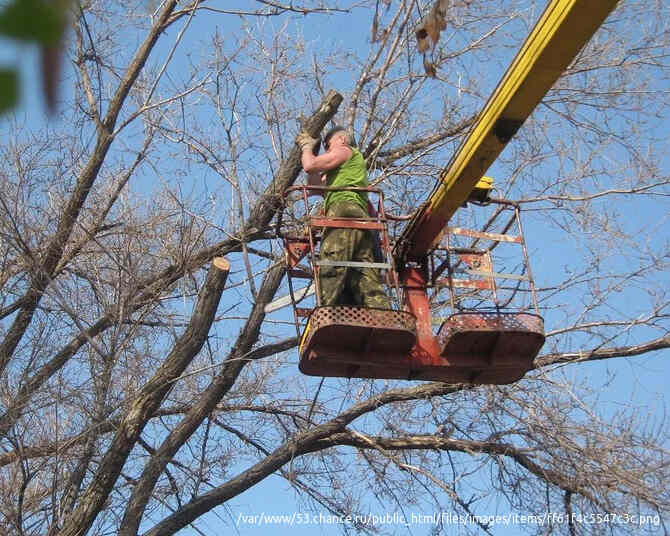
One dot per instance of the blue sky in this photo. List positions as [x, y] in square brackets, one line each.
[640, 382]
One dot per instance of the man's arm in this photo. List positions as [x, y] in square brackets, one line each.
[325, 162]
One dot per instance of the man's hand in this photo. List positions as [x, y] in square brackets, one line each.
[305, 141]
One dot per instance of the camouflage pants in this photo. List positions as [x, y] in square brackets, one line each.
[343, 285]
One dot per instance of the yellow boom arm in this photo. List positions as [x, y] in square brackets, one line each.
[563, 29]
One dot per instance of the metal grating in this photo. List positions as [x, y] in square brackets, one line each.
[492, 321]
[359, 316]
[493, 339]
[356, 342]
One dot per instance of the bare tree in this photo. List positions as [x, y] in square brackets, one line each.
[142, 383]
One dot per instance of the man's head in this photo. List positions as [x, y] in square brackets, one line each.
[337, 136]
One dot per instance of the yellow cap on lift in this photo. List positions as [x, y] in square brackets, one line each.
[485, 183]
[482, 190]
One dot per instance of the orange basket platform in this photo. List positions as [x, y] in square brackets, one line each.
[357, 342]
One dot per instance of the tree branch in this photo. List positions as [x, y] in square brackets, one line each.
[602, 353]
[148, 401]
[386, 158]
[300, 444]
[54, 251]
[420, 442]
[151, 287]
[260, 217]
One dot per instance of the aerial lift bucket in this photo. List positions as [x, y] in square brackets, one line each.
[345, 341]
[506, 342]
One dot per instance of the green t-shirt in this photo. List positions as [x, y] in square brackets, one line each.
[352, 173]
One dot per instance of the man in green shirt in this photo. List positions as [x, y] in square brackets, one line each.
[342, 165]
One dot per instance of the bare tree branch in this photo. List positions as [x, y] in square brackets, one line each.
[148, 401]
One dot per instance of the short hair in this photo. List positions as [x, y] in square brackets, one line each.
[338, 128]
